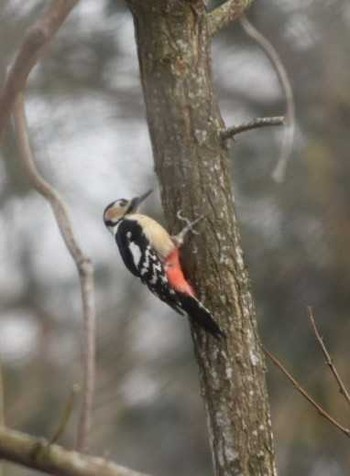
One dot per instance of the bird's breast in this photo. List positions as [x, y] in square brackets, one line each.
[155, 233]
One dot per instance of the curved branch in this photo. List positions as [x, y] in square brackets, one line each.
[53, 459]
[34, 45]
[289, 131]
[225, 14]
[83, 264]
[35, 42]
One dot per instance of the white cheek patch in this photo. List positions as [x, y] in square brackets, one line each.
[136, 253]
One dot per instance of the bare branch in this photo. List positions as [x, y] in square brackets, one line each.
[35, 42]
[306, 395]
[289, 132]
[53, 459]
[225, 14]
[329, 360]
[82, 262]
[257, 123]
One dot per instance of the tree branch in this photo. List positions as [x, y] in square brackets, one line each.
[35, 42]
[289, 132]
[38, 454]
[306, 395]
[329, 360]
[225, 14]
[83, 264]
[257, 123]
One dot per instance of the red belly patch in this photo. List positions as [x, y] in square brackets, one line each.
[175, 275]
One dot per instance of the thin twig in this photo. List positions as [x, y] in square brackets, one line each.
[34, 44]
[257, 123]
[36, 453]
[289, 132]
[67, 412]
[83, 264]
[306, 395]
[329, 360]
[226, 14]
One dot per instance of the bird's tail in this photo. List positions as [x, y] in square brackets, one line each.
[200, 314]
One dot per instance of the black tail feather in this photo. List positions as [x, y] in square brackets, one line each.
[200, 315]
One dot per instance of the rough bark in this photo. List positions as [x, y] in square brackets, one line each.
[193, 170]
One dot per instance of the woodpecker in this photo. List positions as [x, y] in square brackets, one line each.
[152, 254]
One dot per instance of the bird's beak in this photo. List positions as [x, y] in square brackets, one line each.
[136, 202]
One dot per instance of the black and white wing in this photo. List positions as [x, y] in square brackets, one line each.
[143, 261]
[130, 241]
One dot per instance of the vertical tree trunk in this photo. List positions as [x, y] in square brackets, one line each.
[193, 170]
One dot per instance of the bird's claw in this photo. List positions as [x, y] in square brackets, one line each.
[180, 237]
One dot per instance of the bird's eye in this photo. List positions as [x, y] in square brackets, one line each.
[122, 202]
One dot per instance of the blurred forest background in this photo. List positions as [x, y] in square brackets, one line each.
[88, 128]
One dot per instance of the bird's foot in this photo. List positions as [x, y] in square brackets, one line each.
[180, 237]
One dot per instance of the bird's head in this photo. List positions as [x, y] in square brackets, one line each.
[116, 210]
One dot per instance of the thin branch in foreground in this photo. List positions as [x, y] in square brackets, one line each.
[225, 14]
[329, 360]
[38, 454]
[35, 42]
[82, 262]
[289, 132]
[306, 395]
[257, 123]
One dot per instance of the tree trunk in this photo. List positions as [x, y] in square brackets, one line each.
[192, 165]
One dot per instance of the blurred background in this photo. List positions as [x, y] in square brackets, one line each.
[88, 129]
